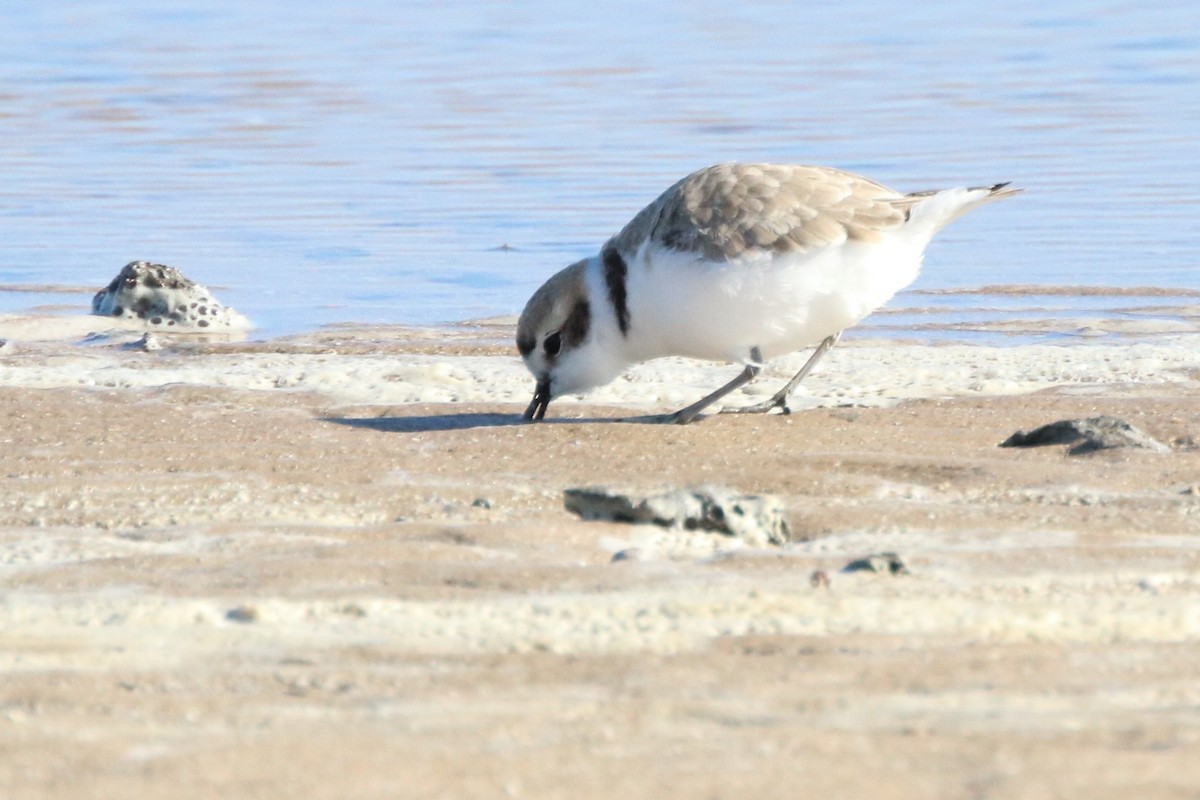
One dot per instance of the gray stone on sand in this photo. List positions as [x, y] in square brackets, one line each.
[162, 297]
[1087, 435]
[755, 519]
[244, 614]
[883, 563]
[628, 554]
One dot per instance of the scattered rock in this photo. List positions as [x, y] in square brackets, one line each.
[819, 579]
[755, 519]
[451, 536]
[242, 614]
[161, 296]
[628, 554]
[481, 502]
[1097, 433]
[6, 346]
[884, 563]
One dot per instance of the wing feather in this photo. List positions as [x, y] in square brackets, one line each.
[731, 210]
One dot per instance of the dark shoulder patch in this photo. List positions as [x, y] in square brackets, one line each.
[616, 273]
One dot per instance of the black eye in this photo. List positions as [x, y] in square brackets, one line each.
[553, 343]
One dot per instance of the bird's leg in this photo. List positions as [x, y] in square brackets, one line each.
[685, 415]
[780, 398]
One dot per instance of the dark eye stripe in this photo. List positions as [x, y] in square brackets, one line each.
[525, 345]
[553, 343]
[575, 329]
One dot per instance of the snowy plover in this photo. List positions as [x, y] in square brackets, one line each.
[736, 262]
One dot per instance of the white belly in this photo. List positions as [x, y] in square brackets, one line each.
[683, 306]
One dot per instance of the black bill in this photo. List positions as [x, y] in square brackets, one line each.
[541, 401]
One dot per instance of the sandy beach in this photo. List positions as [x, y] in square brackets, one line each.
[335, 565]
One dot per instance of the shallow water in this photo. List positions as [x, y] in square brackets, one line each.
[420, 162]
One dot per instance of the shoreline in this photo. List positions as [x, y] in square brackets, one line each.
[994, 314]
[475, 362]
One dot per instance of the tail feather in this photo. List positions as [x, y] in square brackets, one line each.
[997, 190]
[937, 209]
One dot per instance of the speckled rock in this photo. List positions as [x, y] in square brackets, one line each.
[161, 297]
[755, 519]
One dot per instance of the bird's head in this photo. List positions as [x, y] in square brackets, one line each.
[558, 339]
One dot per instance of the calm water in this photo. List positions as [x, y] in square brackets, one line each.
[425, 161]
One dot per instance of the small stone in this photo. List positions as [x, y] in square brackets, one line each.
[1147, 585]
[819, 579]
[883, 563]
[6, 346]
[628, 554]
[1087, 435]
[481, 502]
[149, 342]
[242, 614]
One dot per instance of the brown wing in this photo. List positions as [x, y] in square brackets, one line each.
[724, 211]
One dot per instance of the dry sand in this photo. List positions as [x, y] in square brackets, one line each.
[333, 566]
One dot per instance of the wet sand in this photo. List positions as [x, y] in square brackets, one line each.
[334, 566]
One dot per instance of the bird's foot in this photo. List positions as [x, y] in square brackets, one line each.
[676, 418]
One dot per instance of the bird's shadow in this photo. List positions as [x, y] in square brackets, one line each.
[424, 423]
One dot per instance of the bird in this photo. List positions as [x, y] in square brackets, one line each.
[737, 262]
